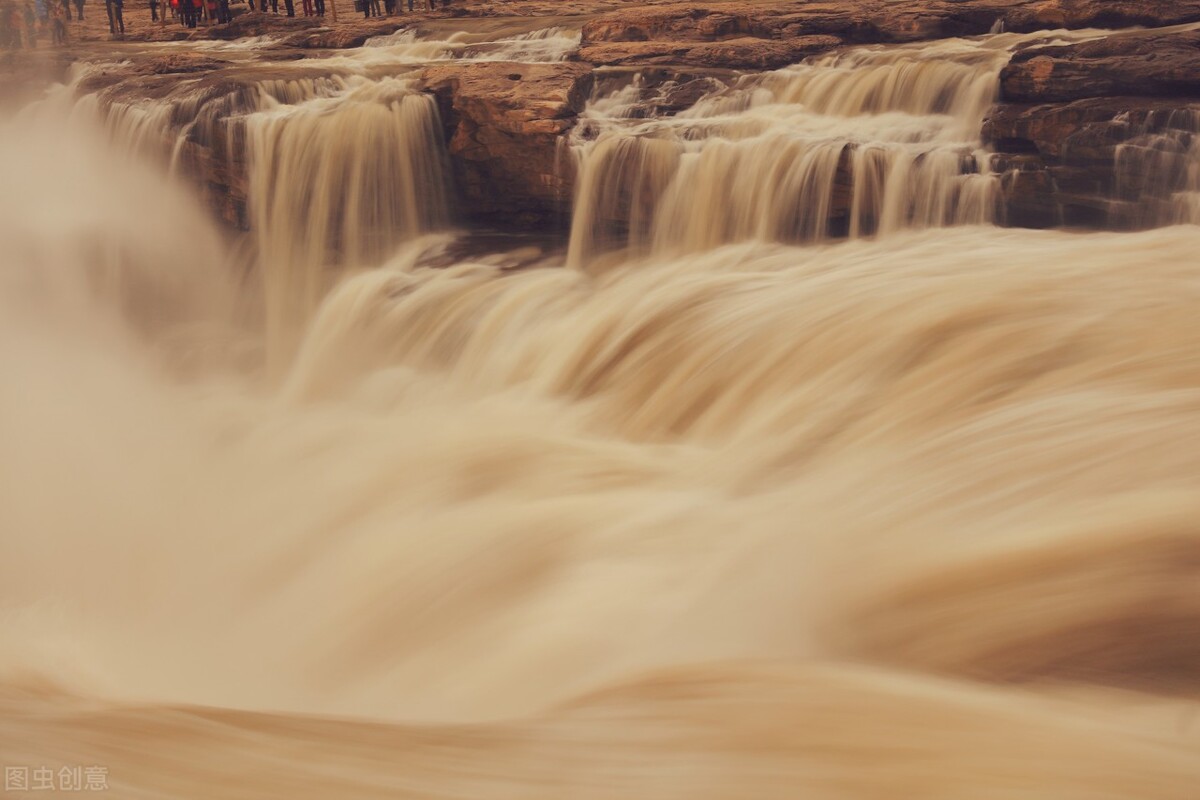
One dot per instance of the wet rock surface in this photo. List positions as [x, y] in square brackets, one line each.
[503, 123]
[1068, 118]
[810, 27]
[1093, 134]
[1156, 64]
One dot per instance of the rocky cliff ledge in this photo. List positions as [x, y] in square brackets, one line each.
[503, 126]
[1084, 130]
[1072, 132]
[755, 35]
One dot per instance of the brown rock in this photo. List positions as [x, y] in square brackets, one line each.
[1155, 64]
[1061, 162]
[345, 35]
[503, 123]
[660, 30]
[255, 23]
[740, 53]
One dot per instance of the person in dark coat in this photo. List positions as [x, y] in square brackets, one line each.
[116, 17]
[31, 30]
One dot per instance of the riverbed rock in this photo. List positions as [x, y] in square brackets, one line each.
[345, 35]
[1153, 64]
[503, 127]
[1097, 162]
[1097, 133]
[660, 31]
[747, 52]
[255, 23]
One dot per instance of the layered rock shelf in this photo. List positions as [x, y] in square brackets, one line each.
[1065, 116]
[1074, 121]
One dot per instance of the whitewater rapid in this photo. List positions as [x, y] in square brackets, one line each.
[911, 515]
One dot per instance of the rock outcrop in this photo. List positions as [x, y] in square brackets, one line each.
[1097, 133]
[1078, 130]
[503, 127]
[1135, 65]
[765, 33]
[746, 52]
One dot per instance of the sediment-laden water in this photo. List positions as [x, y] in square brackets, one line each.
[763, 508]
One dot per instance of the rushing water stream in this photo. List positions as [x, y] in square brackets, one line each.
[902, 504]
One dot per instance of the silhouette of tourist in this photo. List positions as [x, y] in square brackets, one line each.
[319, 7]
[9, 38]
[58, 24]
[31, 29]
[79, 10]
[116, 18]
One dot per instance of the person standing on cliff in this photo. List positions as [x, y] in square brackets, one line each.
[319, 7]
[9, 38]
[31, 31]
[58, 27]
[116, 16]
[79, 10]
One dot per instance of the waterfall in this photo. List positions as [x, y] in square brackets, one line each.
[339, 181]
[1158, 171]
[337, 170]
[869, 141]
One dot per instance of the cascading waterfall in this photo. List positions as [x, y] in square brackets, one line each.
[339, 181]
[1158, 171]
[341, 167]
[869, 141]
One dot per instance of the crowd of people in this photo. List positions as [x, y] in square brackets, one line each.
[24, 24]
[189, 13]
